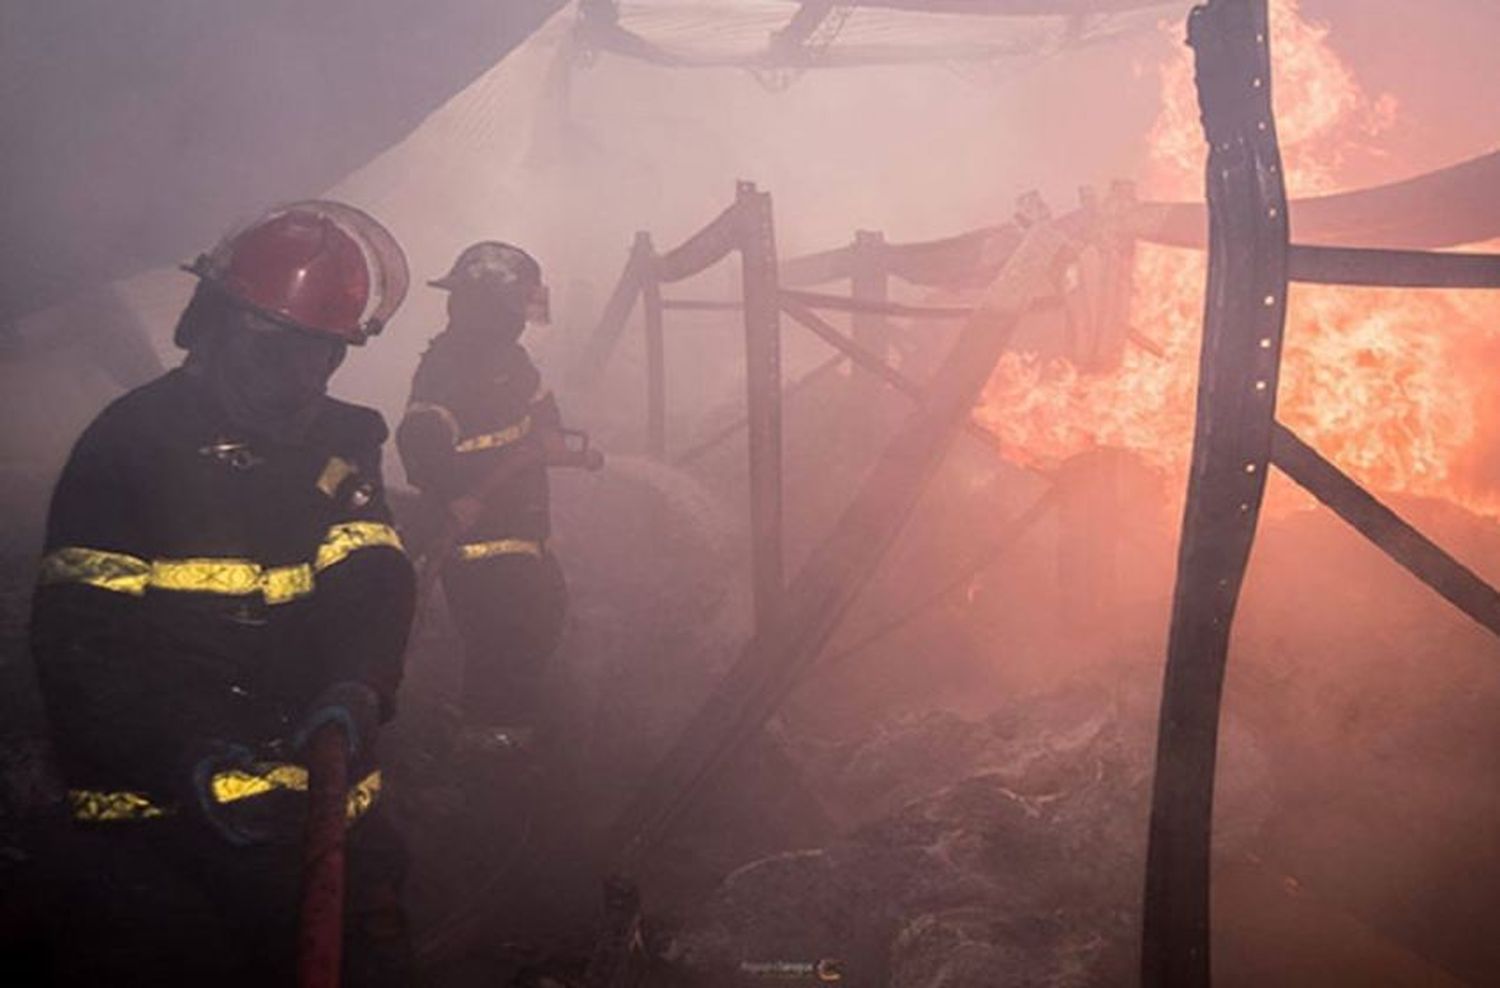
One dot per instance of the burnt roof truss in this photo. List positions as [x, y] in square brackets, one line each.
[1251, 266]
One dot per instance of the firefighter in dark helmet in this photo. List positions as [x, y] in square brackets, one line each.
[221, 578]
[476, 400]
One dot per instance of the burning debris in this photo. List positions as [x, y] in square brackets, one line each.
[1376, 378]
[849, 676]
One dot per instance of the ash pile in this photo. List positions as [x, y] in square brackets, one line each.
[1013, 842]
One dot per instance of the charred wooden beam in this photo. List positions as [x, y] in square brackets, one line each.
[700, 305]
[871, 306]
[1409, 548]
[863, 357]
[804, 24]
[757, 240]
[1016, 8]
[869, 284]
[838, 569]
[713, 440]
[1393, 268]
[656, 355]
[703, 249]
[1446, 208]
[1239, 366]
[874, 364]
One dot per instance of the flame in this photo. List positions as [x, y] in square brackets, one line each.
[1387, 383]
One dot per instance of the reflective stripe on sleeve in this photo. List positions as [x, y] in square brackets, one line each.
[122, 573]
[499, 547]
[495, 440]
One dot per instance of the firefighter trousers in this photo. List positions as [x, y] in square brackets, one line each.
[509, 613]
[166, 902]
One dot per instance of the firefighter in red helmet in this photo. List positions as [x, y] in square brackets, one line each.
[221, 578]
[476, 400]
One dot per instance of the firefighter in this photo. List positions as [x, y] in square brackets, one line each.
[221, 578]
[476, 399]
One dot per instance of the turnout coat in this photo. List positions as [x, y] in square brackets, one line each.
[200, 585]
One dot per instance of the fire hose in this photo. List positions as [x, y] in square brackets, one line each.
[321, 926]
[320, 940]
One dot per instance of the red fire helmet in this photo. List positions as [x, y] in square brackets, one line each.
[320, 266]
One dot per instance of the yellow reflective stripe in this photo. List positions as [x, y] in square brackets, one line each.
[92, 806]
[283, 583]
[335, 472]
[362, 796]
[427, 407]
[500, 547]
[228, 787]
[349, 537]
[494, 440]
[106, 570]
[122, 573]
[232, 786]
[235, 784]
[229, 577]
[232, 578]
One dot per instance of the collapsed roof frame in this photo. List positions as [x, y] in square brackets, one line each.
[1252, 263]
[805, 40]
[794, 620]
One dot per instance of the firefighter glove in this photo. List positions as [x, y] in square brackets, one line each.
[213, 761]
[353, 706]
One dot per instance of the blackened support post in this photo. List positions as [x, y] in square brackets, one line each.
[1242, 337]
[656, 351]
[868, 282]
[776, 658]
[763, 382]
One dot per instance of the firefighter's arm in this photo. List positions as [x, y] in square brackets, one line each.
[117, 710]
[364, 597]
[425, 439]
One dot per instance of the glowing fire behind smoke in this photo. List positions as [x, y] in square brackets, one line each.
[1386, 383]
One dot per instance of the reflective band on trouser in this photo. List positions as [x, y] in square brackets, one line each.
[235, 785]
[499, 547]
[121, 573]
[494, 440]
[228, 787]
[89, 805]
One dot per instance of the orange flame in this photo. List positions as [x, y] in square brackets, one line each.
[1384, 382]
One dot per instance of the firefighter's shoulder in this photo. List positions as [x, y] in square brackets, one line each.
[353, 426]
[141, 413]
